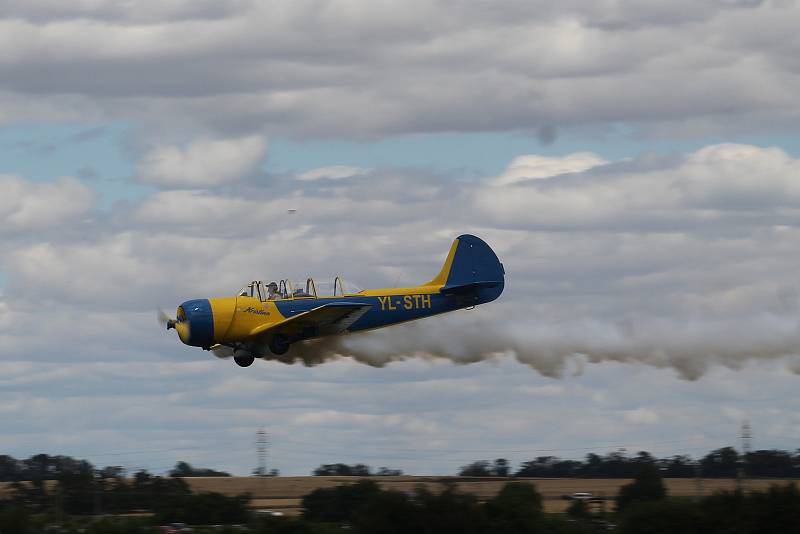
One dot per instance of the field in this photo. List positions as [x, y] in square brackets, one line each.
[284, 493]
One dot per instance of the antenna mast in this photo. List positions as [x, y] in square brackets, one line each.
[262, 444]
[746, 436]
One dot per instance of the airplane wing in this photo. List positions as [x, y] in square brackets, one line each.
[323, 320]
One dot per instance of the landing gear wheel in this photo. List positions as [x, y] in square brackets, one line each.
[245, 360]
[279, 344]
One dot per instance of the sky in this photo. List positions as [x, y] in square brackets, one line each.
[634, 164]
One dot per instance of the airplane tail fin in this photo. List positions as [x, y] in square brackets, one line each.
[471, 265]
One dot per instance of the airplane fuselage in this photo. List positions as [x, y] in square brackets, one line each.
[252, 323]
[231, 319]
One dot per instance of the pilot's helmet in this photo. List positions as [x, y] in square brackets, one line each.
[272, 287]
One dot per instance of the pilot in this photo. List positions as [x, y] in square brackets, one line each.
[272, 290]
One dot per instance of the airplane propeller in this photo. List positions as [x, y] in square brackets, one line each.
[165, 320]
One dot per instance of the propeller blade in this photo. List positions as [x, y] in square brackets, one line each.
[165, 320]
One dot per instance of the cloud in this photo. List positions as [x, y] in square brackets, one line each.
[719, 185]
[534, 167]
[621, 274]
[28, 206]
[250, 67]
[203, 162]
[334, 172]
[144, 11]
[606, 260]
[641, 416]
[682, 266]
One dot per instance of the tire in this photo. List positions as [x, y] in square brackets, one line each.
[279, 344]
[244, 360]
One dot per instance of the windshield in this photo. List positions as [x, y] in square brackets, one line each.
[298, 289]
[253, 289]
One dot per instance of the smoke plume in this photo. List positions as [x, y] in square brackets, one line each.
[552, 348]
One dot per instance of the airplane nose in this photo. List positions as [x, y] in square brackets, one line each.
[195, 324]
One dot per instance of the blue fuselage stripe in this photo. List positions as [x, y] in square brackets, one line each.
[392, 309]
[384, 311]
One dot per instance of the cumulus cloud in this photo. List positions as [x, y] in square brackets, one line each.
[695, 299]
[686, 263]
[641, 416]
[382, 69]
[724, 184]
[533, 167]
[29, 206]
[203, 162]
[334, 172]
[682, 263]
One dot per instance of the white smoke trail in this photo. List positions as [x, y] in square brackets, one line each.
[689, 348]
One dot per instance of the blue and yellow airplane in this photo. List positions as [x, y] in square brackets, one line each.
[270, 317]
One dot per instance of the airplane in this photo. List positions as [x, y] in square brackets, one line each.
[269, 318]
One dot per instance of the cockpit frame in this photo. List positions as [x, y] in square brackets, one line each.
[286, 291]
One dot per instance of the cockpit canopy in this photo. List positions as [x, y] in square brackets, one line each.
[288, 289]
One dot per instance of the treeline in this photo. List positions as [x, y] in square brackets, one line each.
[366, 508]
[644, 506]
[726, 462]
[84, 493]
[776, 510]
[46, 467]
[356, 470]
[185, 469]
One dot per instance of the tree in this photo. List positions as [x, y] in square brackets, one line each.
[156, 493]
[500, 468]
[9, 468]
[678, 466]
[578, 509]
[776, 510]
[15, 520]
[647, 486]
[549, 466]
[207, 508]
[184, 469]
[593, 466]
[450, 512]
[720, 463]
[482, 468]
[476, 469]
[386, 472]
[112, 471]
[517, 508]
[769, 463]
[617, 464]
[665, 517]
[389, 512]
[340, 503]
[80, 493]
[342, 470]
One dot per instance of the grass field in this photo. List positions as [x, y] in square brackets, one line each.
[285, 493]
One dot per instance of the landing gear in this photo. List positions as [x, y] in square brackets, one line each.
[279, 344]
[244, 360]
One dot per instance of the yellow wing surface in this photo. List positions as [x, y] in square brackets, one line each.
[323, 320]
